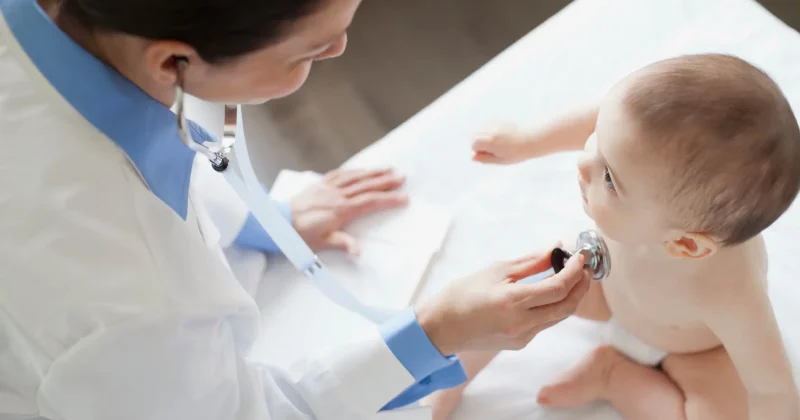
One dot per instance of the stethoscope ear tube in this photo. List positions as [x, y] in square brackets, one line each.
[218, 160]
[291, 244]
[267, 214]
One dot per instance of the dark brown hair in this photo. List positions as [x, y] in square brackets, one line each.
[217, 29]
[729, 137]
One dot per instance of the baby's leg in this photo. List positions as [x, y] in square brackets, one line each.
[710, 383]
[703, 386]
[446, 401]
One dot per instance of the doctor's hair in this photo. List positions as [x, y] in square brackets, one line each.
[218, 30]
[727, 139]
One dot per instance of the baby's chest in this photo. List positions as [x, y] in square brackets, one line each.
[652, 298]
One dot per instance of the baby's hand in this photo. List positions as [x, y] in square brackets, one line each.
[502, 145]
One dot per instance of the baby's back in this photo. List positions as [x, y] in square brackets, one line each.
[664, 303]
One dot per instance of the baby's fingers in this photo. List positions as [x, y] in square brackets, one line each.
[484, 143]
[486, 157]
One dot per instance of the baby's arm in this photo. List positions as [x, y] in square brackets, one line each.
[511, 145]
[741, 316]
[445, 402]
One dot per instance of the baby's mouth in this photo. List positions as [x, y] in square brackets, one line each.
[585, 199]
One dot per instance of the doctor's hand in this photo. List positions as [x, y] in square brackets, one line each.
[320, 212]
[490, 311]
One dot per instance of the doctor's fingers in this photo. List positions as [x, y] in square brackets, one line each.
[531, 264]
[556, 312]
[343, 241]
[342, 178]
[370, 202]
[552, 289]
[385, 182]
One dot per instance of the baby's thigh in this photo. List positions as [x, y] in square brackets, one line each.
[710, 383]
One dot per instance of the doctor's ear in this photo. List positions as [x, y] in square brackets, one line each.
[163, 57]
[692, 246]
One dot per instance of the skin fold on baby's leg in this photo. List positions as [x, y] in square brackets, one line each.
[702, 386]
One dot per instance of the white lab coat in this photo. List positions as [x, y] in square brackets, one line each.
[113, 307]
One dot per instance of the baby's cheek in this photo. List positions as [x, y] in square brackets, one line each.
[612, 224]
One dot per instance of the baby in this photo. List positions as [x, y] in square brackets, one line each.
[687, 161]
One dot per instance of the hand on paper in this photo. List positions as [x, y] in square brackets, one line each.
[321, 211]
[490, 311]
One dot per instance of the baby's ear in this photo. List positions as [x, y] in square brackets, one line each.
[692, 246]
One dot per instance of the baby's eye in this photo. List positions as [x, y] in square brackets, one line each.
[607, 179]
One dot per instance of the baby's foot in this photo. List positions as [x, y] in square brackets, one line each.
[585, 382]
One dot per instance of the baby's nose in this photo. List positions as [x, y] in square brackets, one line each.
[584, 168]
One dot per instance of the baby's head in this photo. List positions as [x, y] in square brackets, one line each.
[696, 153]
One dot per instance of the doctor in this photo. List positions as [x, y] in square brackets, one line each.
[116, 301]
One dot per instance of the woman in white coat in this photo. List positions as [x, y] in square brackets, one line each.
[116, 301]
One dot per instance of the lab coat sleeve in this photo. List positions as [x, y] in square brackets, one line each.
[431, 370]
[182, 367]
[237, 225]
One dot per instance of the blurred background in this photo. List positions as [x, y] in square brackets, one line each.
[401, 56]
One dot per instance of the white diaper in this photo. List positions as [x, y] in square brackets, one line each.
[630, 346]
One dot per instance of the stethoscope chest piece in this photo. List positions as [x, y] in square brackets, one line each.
[220, 164]
[594, 250]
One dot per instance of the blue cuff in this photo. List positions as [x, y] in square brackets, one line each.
[253, 236]
[431, 370]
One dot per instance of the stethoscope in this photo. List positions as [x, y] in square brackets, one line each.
[294, 248]
[214, 152]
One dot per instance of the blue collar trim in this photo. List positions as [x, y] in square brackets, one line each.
[143, 127]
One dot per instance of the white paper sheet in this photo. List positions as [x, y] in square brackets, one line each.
[416, 413]
[397, 247]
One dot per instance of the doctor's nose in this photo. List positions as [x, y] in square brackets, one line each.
[335, 50]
